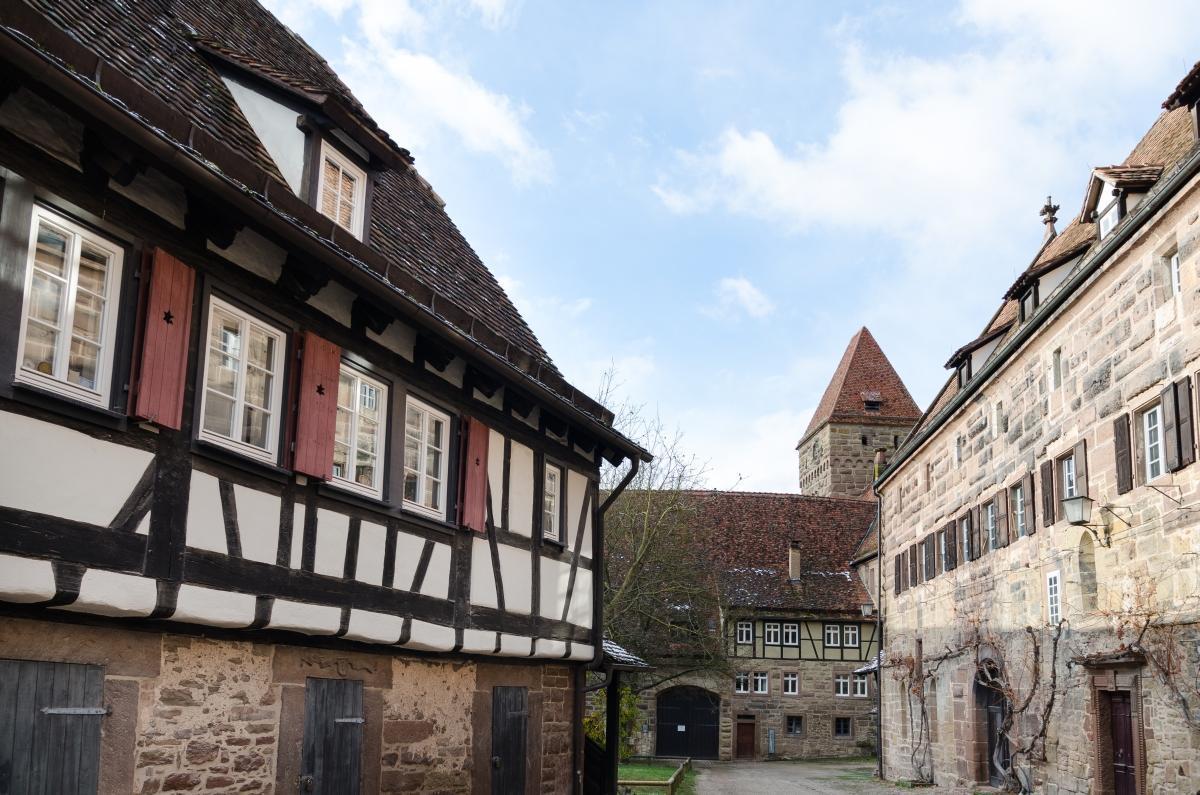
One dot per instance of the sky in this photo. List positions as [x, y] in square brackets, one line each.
[711, 198]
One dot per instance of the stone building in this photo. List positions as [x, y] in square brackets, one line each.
[865, 408]
[291, 497]
[1040, 579]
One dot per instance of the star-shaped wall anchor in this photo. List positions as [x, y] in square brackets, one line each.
[320, 389]
[168, 318]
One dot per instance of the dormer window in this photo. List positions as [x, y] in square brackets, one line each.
[1108, 216]
[1029, 302]
[872, 401]
[342, 190]
[964, 371]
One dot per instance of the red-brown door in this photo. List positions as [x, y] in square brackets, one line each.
[1124, 782]
[744, 748]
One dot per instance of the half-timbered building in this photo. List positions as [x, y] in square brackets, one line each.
[291, 497]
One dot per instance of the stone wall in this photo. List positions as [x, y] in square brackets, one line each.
[1122, 338]
[836, 462]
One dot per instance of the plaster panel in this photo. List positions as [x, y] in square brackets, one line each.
[515, 646]
[332, 529]
[550, 648]
[371, 541]
[258, 523]
[205, 523]
[555, 576]
[516, 568]
[371, 627]
[299, 511]
[483, 575]
[408, 555]
[255, 253]
[496, 473]
[430, 637]
[25, 579]
[580, 611]
[306, 618]
[437, 576]
[577, 488]
[580, 652]
[196, 605]
[109, 593]
[477, 641]
[520, 490]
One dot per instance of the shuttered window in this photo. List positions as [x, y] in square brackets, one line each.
[1027, 496]
[165, 335]
[316, 406]
[899, 575]
[1151, 422]
[426, 446]
[359, 442]
[1048, 506]
[930, 559]
[1124, 454]
[1176, 425]
[964, 534]
[913, 577]
[951, 555]
[475, 484]
[1001, 511]
[342, 190]
[69, 313]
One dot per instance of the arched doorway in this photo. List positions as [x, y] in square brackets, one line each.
[992, 707]
[689, 721]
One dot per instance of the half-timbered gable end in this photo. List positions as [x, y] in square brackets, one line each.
[254, 381]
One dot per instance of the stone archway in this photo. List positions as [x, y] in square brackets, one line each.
[689, 723]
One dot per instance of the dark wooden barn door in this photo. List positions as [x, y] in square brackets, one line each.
[1124, 782]
[510, 721]
[744, 743]
[688, 723]
[333, 729]
[50, 717]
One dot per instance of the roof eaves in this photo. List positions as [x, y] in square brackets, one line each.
[983, 339]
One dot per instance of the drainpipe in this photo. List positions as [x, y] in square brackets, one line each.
[879, 464]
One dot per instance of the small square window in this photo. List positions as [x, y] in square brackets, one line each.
[771, 633]
[791, 634]
[741, 682]
[850, 636]
[841, 685]
[745, 632]
[761, 682]
[426, 453]
[833, 635]
[791, 683]
[795, 724]
[552, 504]
[843, 728]
[341, 190]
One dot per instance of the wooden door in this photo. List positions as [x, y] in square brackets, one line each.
[997, 745]
[510, 722]
[1124, 782]
[689, 723]
[745, 740]
[333, 728]
[50, 717]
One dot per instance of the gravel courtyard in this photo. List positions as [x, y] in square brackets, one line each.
[783, 778]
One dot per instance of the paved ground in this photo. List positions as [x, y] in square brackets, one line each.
[785, 778]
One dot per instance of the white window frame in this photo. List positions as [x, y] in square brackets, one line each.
[1067, 468]
[762, 682]
[1109, 217]
[964, 528]
[1054, 596]
[554, 532]
[358, 212]
[791, 634]
[1175, 274]
[791, 683]
[841, 685]
[269, 454]
[57, 382]
[771, 630]
[417, 506]
[861, 688]
[741, 682]
[849, 631]
[1152, 451]
[835, 635]
[745, 632]
[941, 537]
[349, 483]
[1016, 498]
[992, 531]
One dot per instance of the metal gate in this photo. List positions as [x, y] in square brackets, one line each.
[688, 723]
[510, 721]
[333, 728]
[50, 717]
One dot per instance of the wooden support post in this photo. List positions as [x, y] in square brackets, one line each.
[612, 731]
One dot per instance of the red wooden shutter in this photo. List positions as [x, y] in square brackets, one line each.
[1081, 477]
[1027, 496]
[163, 368]
[1122, 451]
[475, 472]
[316, 407]
[1047, 493]
[1184, 423]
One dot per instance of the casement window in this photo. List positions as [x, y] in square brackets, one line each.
[795, 724]
[745, 632]
[359, 442]
[1016, 498]
[243, 382]
[342, 190]
[741, 682]
[552, 483]
[1053, 597]
[850, 636]
[1109, 216]
[833, 635]
[1029, 302]
[69, 311]
[1066, 469]
[791, 634]
[841, 685]
[860, 686]
[761, 682]
[942, 550]
[843, 728]
[964, 528]
[1056, 368]
[771, 634]
[1175, 275]
[989, 518]
[426, 451]
[791, 684]
[964, 371]
[1152, 438]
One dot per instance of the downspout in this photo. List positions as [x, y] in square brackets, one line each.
[879, 623]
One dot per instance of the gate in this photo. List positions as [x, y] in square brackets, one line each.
[688, 723]
[333, 728]
[510, 722]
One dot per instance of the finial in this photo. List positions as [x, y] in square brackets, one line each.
[1049, 218]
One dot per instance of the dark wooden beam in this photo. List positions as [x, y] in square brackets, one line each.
[484, 382]
[433, 352]
[365, 315]
[103, 159]
[515, 401]
[205, 221]
[301, 279]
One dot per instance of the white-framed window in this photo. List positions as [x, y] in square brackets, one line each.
[860, 685]
[359, 440]
[69, 311]
[1067, 466]
[741, 682]
[795, 724]
[761, 682]
[1054, 597]
[841, 685]
[1152, 442]
[426, 454]
[745, 632]
[833, 635]
[1176, 274]
[990, 522]
[791, 634]
[941, 537]
[791, 683]
[1016, 498]
[552, 503]
[342, 190]
[771, 633]
[850, 636]
[964, 530]
[243, 382]
[1109, 217]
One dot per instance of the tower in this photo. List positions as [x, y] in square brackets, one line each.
[865, 408]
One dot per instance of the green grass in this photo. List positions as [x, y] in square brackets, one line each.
[656, 771]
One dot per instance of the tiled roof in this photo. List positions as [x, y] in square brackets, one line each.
[751, 535]
[868, 547]
[863, 372]
[1186, 91]
[1130, 176]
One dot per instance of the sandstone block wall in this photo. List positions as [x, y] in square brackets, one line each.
[835, 461]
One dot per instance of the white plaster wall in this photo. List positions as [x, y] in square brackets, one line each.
[430, 637]
[65, 473]
[408, 555]
[496, 473]
[335, 301]
[555, 576]
[516, 569]
[196, 605]
[516, 646]
[110, 593]
[255, 253]
[581, 652]
[332, 530]
[550, 648]
[275, 125]
[520, 487]
[371, 541]
[298, 513]
[258, 523]
[156, 192]
[397, 337]
[483, 579]
[577, 488]
[25, 580]
[580, 612]
[437, 576]
[205, 523]
[371, 627]
[477, 641]
[306, 618]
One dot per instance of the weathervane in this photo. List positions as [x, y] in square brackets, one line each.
[1048, 214]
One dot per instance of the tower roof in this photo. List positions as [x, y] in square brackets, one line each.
[865, 388]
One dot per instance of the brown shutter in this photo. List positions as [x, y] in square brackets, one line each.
[475, 472]
[1027, 496]
[162, 371]
[1122, 451]
[976, 549]
[930, 562]
[913, 578]
[951, 546]
[316, 408]
[897, 585]
[1002, 518]
[1081, 477]
[1183, 418]
[1047, 493]
[1170, 429]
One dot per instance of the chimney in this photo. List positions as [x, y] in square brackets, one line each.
[1049, 218]
[794, 562]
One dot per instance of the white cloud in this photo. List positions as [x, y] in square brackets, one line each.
[737, 295]
[750, 453]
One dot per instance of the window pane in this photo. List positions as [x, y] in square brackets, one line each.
[254, 427]
[341, 458]
[89, 312]
[39, 348]
[368, 401]
[222, 374]
[258, 388]
[329, 192]
[364, 469]
[433, 494]
[51, 254]
[227, 334]
[366, 436]
[346, 390]
[218, 414]
[410, 486]
[81, 366]
[411, 454]
[45, 299]
[93, 268]
[433, 463]
[341, 431]
[436, 428]
[262, 350]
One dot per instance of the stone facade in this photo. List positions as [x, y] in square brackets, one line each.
[839, 459]
[206, 715]
[1118, 339]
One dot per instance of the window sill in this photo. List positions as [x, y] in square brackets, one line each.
[255, 466]
[35, 396]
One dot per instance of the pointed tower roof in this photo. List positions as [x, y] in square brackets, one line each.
[865, 388]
